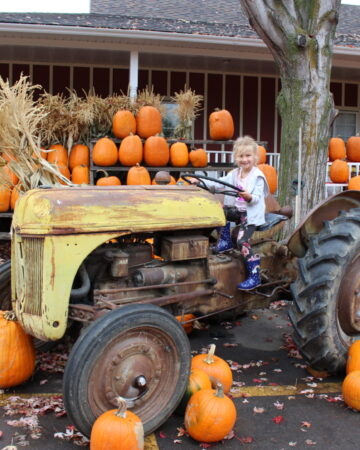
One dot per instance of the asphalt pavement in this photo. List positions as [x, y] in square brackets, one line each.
[279, 404]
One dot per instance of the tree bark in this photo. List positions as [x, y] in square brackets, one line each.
[300, 35]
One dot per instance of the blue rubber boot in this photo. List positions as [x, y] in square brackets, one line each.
[224, 242]
[253, 280]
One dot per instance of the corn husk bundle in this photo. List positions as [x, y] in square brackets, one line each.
[21, 136]
[189, 106]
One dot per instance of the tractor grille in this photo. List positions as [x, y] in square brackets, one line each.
[28, 274]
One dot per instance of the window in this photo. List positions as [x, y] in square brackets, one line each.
[344, 125]
[170, 119]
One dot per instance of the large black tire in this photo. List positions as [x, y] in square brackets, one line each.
[329, 276]
[114, 351]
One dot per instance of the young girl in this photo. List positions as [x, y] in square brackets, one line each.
[247, 210]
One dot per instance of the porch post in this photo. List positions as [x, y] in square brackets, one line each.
[134, 69]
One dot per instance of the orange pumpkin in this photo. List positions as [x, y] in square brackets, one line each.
[353, 149]
[131, 151]
[351, 389]
[117, 429]
[353, 359]
[218, 370]
[198, 380]
[172, 181]
[156, 151]
[339, 171]
[179, 154]
[43, 154]
[79, 156]
[148, 121]
[123, 124]
[5, 196]
[80, 175]
[105, 152]
[59, 155]
[261, 154]
[354, 183]
[210, 415]
[336, 149]
[107, 180]
[17, 356]
[221, 125]
[270, 175]
[64, 170]
[188, 327]
[198, 158]
[8, 175]
[138, 175]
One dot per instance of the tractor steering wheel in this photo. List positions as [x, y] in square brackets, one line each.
[212, 189]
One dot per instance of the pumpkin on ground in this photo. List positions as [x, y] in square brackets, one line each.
[138, 175]
[339, 171]
[107, 180]
[5, 196]
[105, 152]
[353, 149]
[123, 124]
[58, 155]
[336, 149]
[218, 369]
[79, 156]
[354, 183]
[148, 121]
[221, 125]
[131, 151]
[353, 359]
[270, 175]
[261, 154]
[198, 157]
[80, 175]
[210, 415]
[198, 380]
[179, 154]
[188, 327]
[17, 353]
[351, 389]
[117, 429]
[156, 151]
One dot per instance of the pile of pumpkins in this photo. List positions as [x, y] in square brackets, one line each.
[209, 413]
[351, 383]
[339, 155]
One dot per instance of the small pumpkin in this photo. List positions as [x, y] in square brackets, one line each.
[107, 180]
[339, 171]
[218, 369]
[354, 183]
[156, 151]
[261, 154]
[105, 152]
[188, 327]
[148, 121]
[58, 155]
[5, 196]
[221, 125]
[336, 149]
[210, 415]
[123, 124]
[353, 149]
[351, 389]
[163, 178]
[138, 175]
[198, 157]
[17, 356]
[270, 175]
[79, 156]
[353, 359]
[117, 429]
[198, 380]
[179, 154]
[131, 151]
[80, 175]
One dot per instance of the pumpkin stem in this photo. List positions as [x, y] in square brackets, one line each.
[10, 316]
[210, 356]
[219, 390]
[122, 407]
[103, 171]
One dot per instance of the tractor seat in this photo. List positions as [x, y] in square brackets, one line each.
[271, 219]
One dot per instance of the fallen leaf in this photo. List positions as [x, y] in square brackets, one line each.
[305, 424]
[278, 419]
[162, 435]
[258, 410]
[310, 442]
[181, 431]
[279, 405]
[255, 317]
[245, 439]
[230, 435]
[292, 444]
[177, 441]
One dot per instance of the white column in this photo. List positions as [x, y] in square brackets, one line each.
[134, 70]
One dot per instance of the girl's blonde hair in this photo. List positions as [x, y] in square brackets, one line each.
[245, 144]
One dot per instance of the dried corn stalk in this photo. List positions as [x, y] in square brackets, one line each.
[189, 106]
[147, 97]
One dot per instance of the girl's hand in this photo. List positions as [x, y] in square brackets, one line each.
[246, 196]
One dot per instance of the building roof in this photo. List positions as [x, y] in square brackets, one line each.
[200, 17]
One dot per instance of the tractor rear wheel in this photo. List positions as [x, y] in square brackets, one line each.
[326, 310]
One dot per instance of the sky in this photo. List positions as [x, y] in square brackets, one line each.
[65, 6]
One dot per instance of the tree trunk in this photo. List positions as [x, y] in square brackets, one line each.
[300, 35]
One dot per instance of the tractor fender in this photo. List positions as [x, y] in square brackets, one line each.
[313, 223]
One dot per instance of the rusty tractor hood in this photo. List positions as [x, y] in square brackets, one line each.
[94, 209]
[314, 221]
